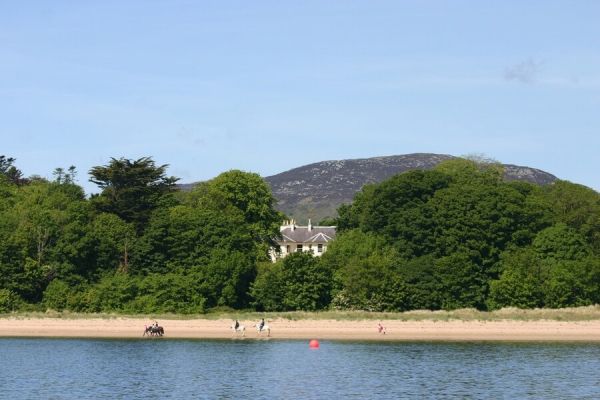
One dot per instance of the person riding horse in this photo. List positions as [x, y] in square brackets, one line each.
[262, 326]
[237, 324]
[154, 330]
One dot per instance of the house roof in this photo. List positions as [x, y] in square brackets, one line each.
[301, 234]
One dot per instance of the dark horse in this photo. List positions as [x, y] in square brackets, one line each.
[154, 331]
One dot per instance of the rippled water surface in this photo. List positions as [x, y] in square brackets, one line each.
[227, 369]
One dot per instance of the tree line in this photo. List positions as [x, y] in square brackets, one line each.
[452, 237]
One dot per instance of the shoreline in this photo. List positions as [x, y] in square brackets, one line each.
[305, 329]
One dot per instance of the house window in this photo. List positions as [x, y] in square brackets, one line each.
[310, 249]
[299, 248]
[287, 249]
[320, 248]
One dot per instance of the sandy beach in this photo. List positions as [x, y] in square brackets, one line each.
[396, 330]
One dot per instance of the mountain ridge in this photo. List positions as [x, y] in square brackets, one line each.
[316, 190]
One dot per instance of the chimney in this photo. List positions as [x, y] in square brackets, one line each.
[309, 225]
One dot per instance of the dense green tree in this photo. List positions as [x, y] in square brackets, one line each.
[113, 241]
[248, 193]
[565, 285]
[557, 270]
[353, 244]
[457, 236]
[47, 239]
[9, 301]
[132, 189]
[11, 173]
[520, 282]
[515, 289]
[225, 279]
[167, 293]
[113, 292]
[307, 284]
[578, 207]
[559, 242]
[366, 273]
[56, 295]
[67, 177]
[422, 286]
[398, 210]
[351, 216]
[9, 249]
[450, 227]
[476, 171]
[268, 289]
[181, 237]
[297, 282]
[461, 281]
[372, 284]
[483, 219]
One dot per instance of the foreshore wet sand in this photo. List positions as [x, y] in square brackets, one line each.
[395, 330]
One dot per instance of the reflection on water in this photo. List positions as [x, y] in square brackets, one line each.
[135, 369]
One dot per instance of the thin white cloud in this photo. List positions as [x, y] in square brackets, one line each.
[526, 71]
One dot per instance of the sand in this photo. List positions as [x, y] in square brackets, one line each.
[396, 330]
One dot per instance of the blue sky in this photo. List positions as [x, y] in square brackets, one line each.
[265, 86]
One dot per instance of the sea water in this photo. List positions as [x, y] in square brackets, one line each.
[287, 369]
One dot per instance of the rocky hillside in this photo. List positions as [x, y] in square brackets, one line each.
[317, 190]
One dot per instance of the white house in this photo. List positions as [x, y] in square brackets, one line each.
[309, 238]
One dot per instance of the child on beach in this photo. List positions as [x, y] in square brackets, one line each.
[380, 328]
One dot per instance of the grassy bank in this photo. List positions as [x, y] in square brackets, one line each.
[587, 313]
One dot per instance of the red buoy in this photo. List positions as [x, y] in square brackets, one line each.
[313, 344]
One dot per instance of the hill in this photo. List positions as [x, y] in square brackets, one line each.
[317, 190]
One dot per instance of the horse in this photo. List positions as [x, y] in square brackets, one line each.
[147, 330]
[154, 331]
[158, 330]
[241, 328]
[265, 328]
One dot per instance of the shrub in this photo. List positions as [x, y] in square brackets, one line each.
[9, 300]
[56, 295]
